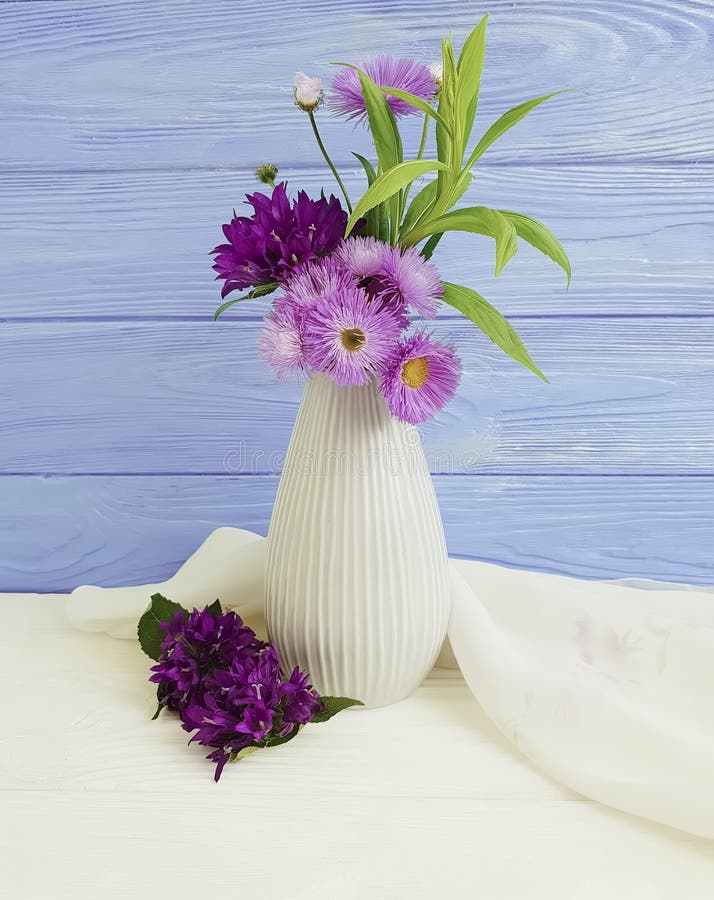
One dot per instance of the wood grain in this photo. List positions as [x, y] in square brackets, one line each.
[399, 846]
[163, 82]
[58, 532]
[130, 129]
[626, 396]
[86, 763]
[136, 244]
[122, 807]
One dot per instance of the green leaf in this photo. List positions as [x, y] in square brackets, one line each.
[477, 220]
[261, 290]
[388, 184]
[469, 69]
[427, 250]
[367, 166]
[413, 100]
[539, 236]
[241, 754]
[425, 198]
[158, 710]
[386, 137]
[491, 322]
[382, 124]
[333, 705]
[462, 185]
[376, 215]
[265, 744]
[447, 138]
[215, 608]
[277, 741]
[506, 121]
[227, 305]
[150, 635]
[419, 206]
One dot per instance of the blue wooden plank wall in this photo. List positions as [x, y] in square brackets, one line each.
[131, 424]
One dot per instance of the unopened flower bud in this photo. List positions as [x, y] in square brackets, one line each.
[266, 174]
[437, 71]
[308, 92]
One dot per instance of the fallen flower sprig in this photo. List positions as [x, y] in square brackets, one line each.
[224, 683]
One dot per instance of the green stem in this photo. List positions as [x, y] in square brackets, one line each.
[442, 205]
[329, 162]
[395, 219]
[424, 133]
[422, 146]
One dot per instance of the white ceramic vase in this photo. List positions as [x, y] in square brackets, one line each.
[356, 578]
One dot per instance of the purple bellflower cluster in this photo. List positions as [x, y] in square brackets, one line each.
[227, 687]
[277, 239]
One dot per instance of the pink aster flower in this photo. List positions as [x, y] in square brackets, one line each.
[386, 71]
[363, 256]
[347, 337]
[281, 340]
[420, 378]
[400, 277]
[316, 281]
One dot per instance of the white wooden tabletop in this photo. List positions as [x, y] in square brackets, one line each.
[423, 799]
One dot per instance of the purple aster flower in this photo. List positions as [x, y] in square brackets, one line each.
[400, 277]
[386, 71]
[194, 646]
[277, 239]
[281, 340]
[420, 379]
[411, 279]
[348, 337]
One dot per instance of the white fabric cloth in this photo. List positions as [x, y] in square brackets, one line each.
[606, 686]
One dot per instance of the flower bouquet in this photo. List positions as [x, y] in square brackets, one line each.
[356, 582]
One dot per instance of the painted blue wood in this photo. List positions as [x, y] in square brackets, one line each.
[129, 131]
[59, 532]
[136, 243]
[626, 396]
[175, 82]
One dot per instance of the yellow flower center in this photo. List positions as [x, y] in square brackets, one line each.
[353, 339]
[415, 372]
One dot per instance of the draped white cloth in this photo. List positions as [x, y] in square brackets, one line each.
[606, 686]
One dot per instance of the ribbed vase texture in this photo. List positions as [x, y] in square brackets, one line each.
[356, 579]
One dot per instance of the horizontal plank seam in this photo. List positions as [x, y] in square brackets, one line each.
[554, 162]
[135, 793]
[267, 473]
[240, 320]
